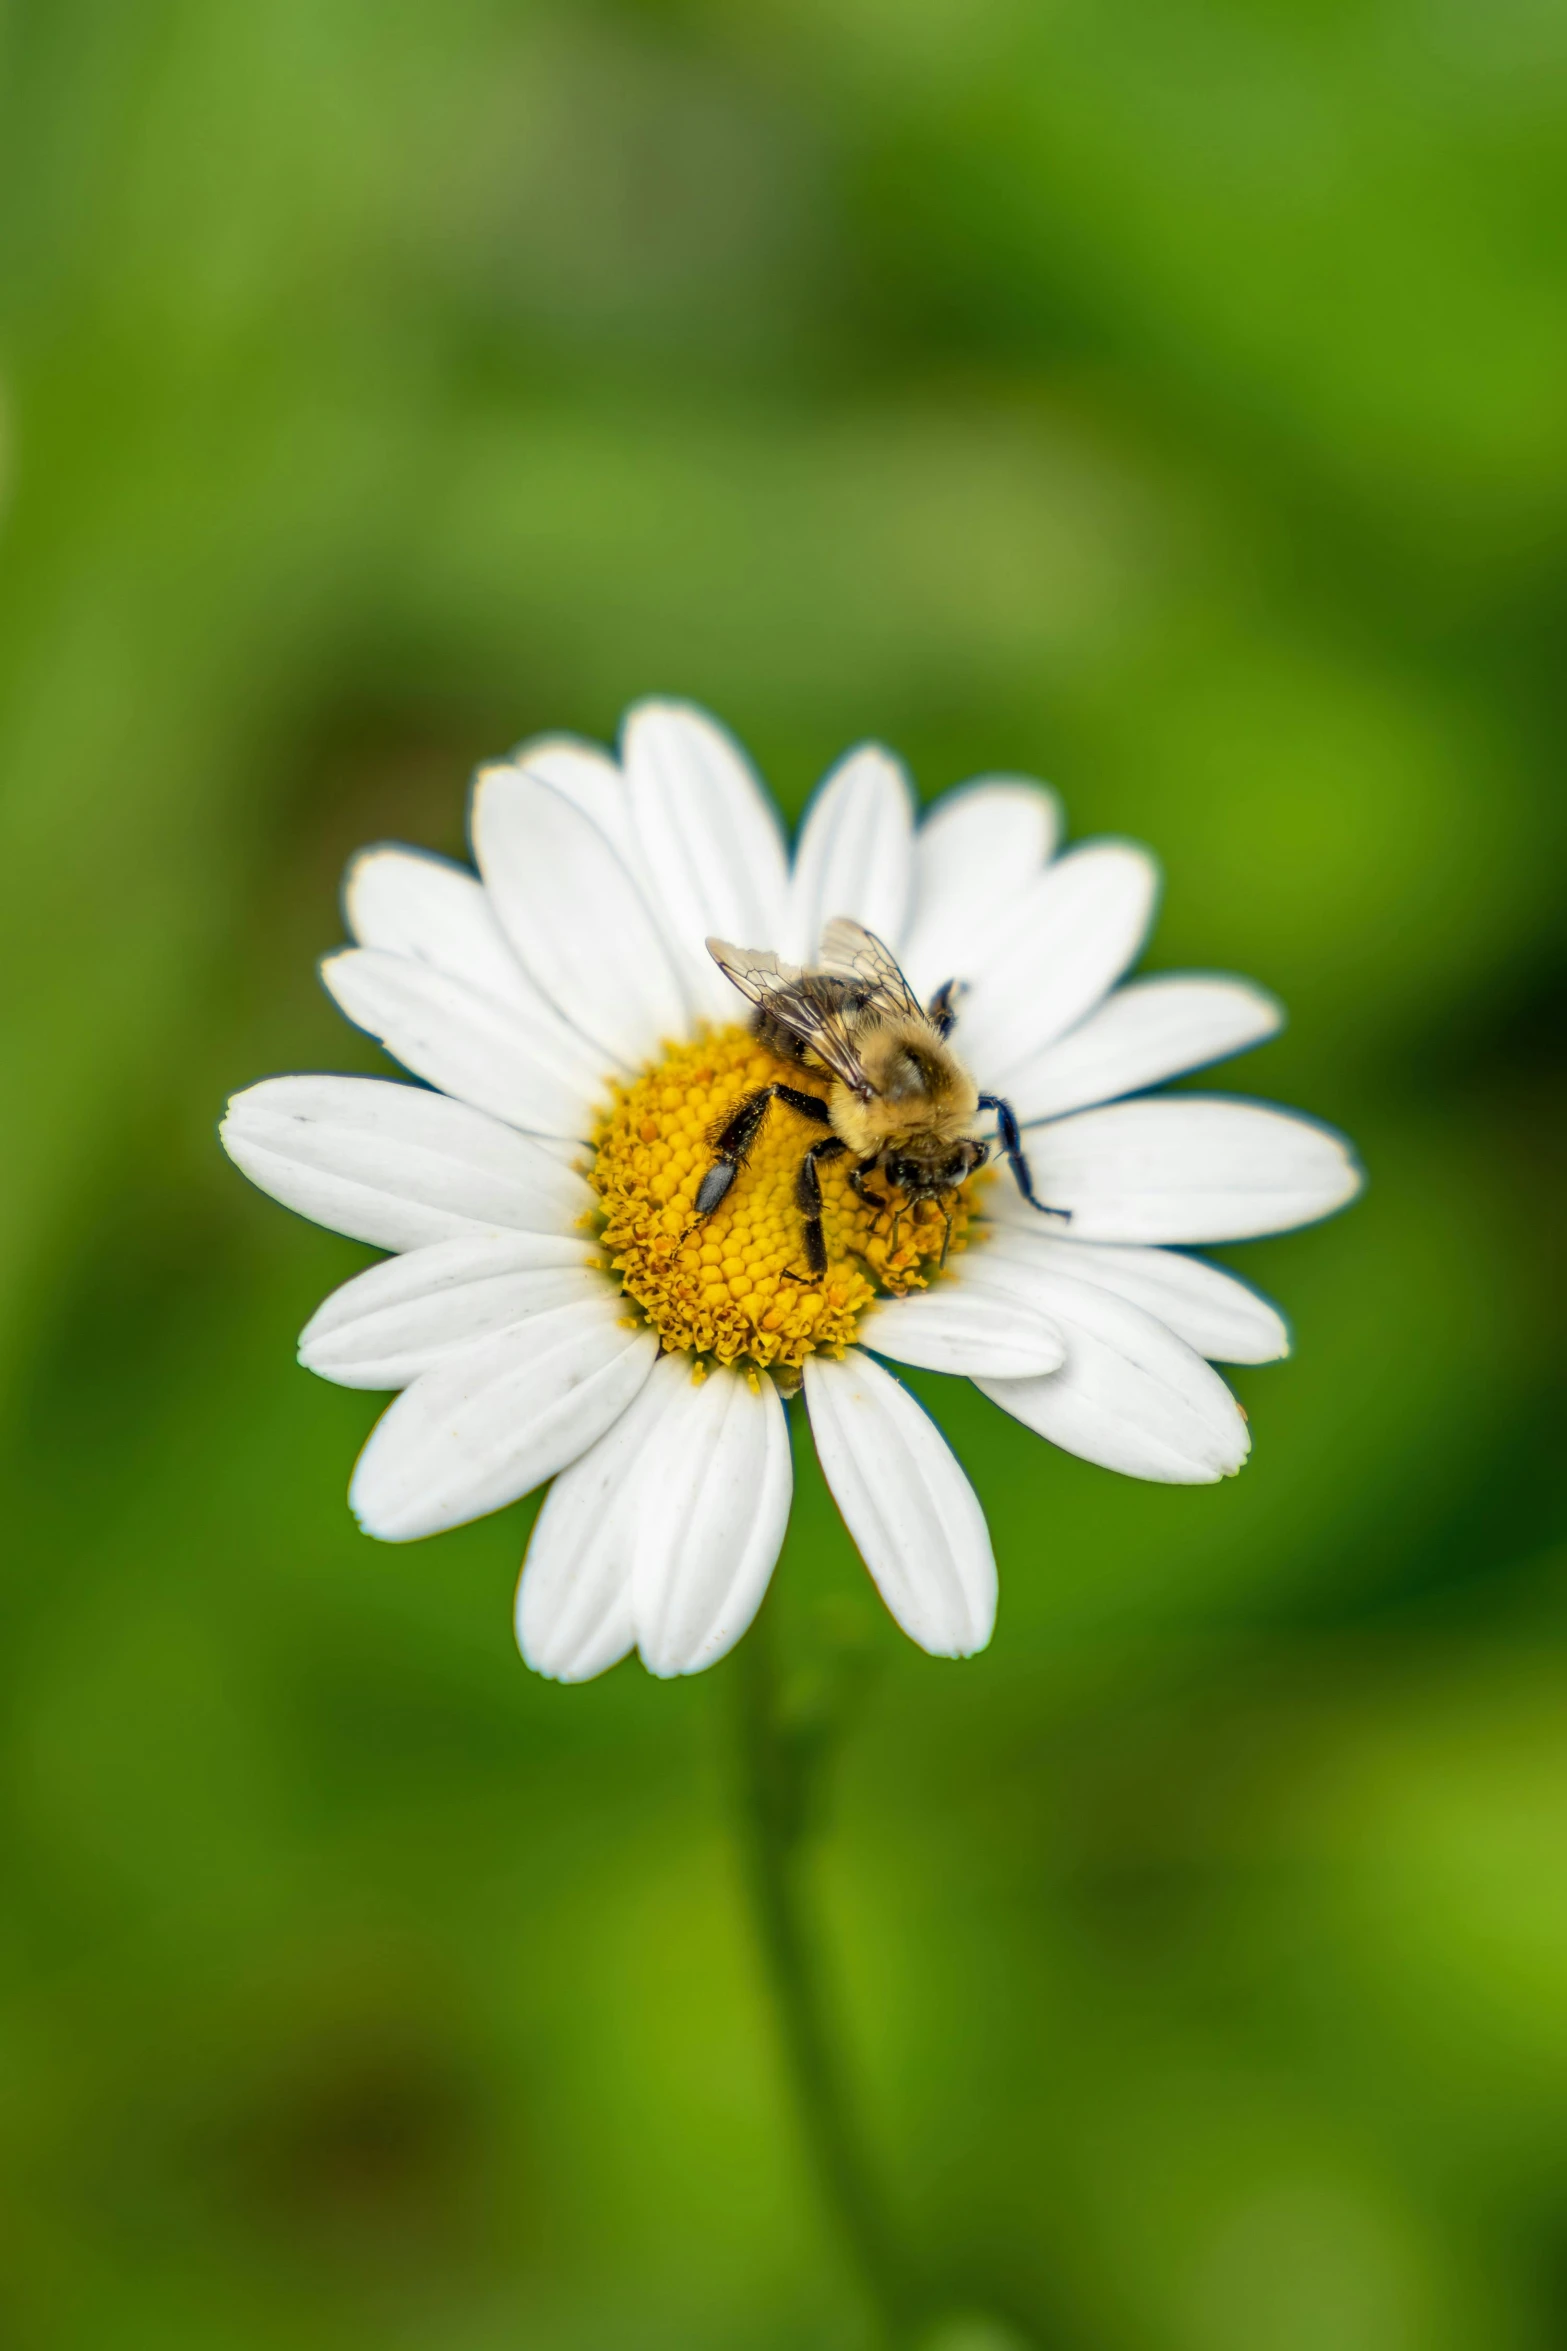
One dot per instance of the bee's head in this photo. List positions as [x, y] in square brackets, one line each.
[943, 1169]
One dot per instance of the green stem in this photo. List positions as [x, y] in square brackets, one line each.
[776, 1771]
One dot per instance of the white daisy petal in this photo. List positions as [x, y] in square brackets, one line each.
[1146, 1032]
[573, 1614]
[710, 842]
[575, 916]
[590, 779]
[975, 855]
[395, 1165]
[408, 902]
[855, 854]
[1187, 1167]
[521, 1061]
[529, 1069]
[912, 1513]
[1063, 946]
[713, 1511]
[960, 1328]
[497, 1418]
[400, 1318]
[1131, 1396]
[1215, 1312]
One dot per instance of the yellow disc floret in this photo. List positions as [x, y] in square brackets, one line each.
[734, 1286]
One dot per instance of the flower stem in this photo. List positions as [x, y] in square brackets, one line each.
[780, 1766]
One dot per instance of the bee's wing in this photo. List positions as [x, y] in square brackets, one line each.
[755, 971]
[848, 948]
[798, 1001]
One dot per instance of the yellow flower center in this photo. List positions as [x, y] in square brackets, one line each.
[734, 1286]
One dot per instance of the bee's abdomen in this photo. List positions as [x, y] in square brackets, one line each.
[779, 1038]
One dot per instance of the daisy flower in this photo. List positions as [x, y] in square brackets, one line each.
[554, 1307]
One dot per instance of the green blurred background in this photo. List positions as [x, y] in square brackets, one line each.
[1168, 397]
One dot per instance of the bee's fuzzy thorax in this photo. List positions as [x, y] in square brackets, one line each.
[917, 1082]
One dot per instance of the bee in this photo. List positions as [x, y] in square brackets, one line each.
[901, 1101]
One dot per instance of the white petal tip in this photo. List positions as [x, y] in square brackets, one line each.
[674, 1665]
[1188, 1473]
[1232, 1468]
[391, 1525]
[965, 1645]
[398, 1527]
[655, 709]
[235, 1119]
[378, 1530]
[568, 1670]
[332, 971]
[668, 1669]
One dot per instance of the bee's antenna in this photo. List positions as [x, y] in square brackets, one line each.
[946, 1240]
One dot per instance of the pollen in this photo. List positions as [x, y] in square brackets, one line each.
[734, 1286]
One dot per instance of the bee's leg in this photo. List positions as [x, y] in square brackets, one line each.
[1012, 1146]
[730, 1145]
[941, 1011]
[857, 1176]
[734, 1139]
[808, 1192]
[946, 1239]
[808, 1105]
